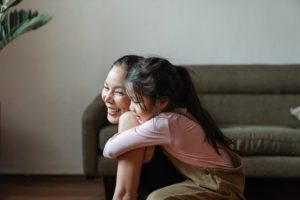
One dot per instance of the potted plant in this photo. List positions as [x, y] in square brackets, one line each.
[14, 23]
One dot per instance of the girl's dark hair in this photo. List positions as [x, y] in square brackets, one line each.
[158, 78]
[127, 62]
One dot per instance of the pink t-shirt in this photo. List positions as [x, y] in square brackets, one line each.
[178, 135]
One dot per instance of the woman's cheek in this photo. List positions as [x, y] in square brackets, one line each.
[103, 94]
[123, 103]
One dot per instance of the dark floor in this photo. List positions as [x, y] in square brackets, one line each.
[79, 188]
[50, 188]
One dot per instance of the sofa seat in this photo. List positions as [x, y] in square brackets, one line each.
[264, 140]
[267, 151]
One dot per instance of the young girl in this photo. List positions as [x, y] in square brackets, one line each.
[166, 105]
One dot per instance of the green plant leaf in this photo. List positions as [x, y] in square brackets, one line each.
[9, 4]
[18, 22]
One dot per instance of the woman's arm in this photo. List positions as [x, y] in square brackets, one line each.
[130, 164]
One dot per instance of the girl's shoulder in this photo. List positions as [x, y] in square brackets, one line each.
[171, 117]
[173, 122]
[166, 115]
[178, 113]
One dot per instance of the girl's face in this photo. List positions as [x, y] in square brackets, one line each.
[114, 94]
[144, 108]
[141, 114]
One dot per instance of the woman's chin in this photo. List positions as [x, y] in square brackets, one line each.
[113, 119]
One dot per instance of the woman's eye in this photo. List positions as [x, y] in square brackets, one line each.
[119, 93]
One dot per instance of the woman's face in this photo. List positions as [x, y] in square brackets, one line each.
[114, 94]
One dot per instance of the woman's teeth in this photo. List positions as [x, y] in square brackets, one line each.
[113, 111]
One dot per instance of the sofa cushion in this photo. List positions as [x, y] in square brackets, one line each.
[264, 140]
[272, 166]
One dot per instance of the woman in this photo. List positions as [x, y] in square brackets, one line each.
[136, 168]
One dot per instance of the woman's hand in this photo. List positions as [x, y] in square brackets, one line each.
[127, 121]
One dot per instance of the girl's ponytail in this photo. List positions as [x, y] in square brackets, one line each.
[194, 107]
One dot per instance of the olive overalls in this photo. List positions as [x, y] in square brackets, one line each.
[205, 183]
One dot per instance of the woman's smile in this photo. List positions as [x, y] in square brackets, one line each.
[113, 111]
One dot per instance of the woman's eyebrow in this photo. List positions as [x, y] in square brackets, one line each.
[116, 87]
[120, 87]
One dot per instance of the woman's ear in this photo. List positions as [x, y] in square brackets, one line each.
[163, 103]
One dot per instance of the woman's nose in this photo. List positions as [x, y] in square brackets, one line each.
[108, 97]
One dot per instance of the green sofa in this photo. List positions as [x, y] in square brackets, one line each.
[251, 103]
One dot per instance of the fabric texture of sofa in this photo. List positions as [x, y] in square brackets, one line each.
[254, 105]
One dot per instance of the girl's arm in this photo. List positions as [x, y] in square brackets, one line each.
[129, 164]
[151, 133]
[128, 121]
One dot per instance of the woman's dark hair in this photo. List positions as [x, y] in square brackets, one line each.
[158, 78]
[127, 62]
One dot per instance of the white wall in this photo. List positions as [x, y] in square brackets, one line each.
[47, 77]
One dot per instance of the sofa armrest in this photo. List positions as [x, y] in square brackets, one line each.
[93, 119]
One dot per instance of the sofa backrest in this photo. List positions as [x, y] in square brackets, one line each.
[249, 94]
